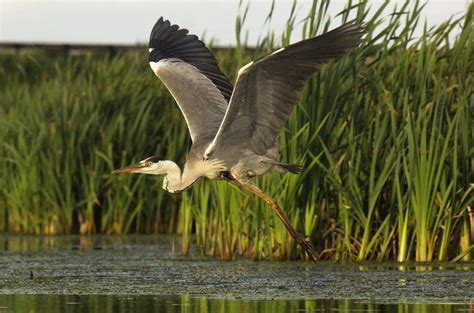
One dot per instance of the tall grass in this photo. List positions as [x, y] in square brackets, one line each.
[385, 136]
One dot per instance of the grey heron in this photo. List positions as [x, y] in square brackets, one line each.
[234, 130]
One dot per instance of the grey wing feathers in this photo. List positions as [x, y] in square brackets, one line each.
[201, 103]
[169, 41]
[267, 90]
[191, 74]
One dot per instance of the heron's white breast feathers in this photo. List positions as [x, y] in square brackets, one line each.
[210, 168]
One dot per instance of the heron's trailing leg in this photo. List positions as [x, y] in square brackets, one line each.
[300, 239]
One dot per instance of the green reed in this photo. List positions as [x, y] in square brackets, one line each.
[385, 135]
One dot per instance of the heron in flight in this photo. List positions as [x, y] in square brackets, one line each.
[234, 130]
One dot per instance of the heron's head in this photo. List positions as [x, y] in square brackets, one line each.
[153, 165]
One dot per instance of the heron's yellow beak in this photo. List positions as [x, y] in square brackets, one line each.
[129, 169]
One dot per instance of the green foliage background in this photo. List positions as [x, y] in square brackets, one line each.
[385, 135]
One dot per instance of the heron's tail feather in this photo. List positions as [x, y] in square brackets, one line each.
[285, 167]
[292, 168]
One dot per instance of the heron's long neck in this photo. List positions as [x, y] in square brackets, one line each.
[176, 181]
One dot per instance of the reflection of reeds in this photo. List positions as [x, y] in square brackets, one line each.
[99, 303]
[385, 135]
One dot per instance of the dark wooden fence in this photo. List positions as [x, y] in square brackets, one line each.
[74, 49]
[26, 48]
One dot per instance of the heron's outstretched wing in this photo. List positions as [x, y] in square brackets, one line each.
[191, 73]
[267, 90]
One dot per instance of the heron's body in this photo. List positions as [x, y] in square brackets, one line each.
[180, 78]
[235, 130]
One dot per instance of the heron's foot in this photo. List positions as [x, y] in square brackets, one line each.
[307, 245]
[246, 183]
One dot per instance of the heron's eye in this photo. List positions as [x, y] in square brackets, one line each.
[149, 163]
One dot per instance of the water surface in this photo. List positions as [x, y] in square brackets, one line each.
[146, 273]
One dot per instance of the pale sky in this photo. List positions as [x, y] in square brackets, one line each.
[130, 22]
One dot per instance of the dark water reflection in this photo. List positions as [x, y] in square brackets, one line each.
[147, 274]
[185, 304]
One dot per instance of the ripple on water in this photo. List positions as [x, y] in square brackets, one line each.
[122, 268]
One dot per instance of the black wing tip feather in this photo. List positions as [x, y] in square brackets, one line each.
[322, 48]
[164, 30]
[351, 30]
[325, 47]
[170, 41]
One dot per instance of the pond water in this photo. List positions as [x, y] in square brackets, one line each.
[146, 273]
